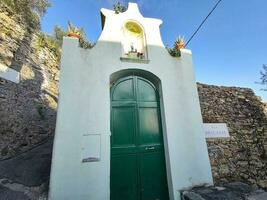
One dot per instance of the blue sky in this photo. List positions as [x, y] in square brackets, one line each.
[229, 50]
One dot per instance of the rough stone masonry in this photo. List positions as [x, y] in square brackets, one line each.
[27, 109]
[242, 157]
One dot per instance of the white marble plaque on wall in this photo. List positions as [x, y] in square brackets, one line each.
[9, 74]
[216, 130]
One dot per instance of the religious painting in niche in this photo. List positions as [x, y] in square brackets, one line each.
[134, 41]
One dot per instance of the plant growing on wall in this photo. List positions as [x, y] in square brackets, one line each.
[179, 44]
[174, 52]
[119, 8]
[263, 77]
[58, 34]
[74, 31]
[46, 41]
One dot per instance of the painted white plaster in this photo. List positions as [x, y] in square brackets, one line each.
[9, 74]
[91, 148]
[84, 108]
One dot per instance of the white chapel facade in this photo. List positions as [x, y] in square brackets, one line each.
[129, 124]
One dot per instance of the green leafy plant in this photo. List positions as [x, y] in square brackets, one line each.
[263, 77]
[54, 42]
[53, 46]
[40, 42]
[30, 10]
[38, 6]
[79, 33]
[119, 8]
[45, 41]
[174, 52]
[58, 35]
[86, 44]
[179, 43]
[74, 30]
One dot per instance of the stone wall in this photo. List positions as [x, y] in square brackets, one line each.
[27, 109]
[243, 156]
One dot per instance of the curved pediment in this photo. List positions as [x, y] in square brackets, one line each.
[113, 25]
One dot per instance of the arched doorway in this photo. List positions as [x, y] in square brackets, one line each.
[138, 170]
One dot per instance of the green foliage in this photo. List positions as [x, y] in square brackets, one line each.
[30, 10]
[84, 43]
[39, 6]
[44, 41]
[174, 52]
[74, 29]
[40, 42]
[54, 42]
[178, 44]
[119, 8]
[58, 35]
[9, 3]
[53, 46]
[263, 76]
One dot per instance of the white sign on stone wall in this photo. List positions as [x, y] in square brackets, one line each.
[9, 74]
[216, 130]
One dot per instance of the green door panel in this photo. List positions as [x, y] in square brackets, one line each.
[123, 133]
[124, 180]
[138, 169]
[124, 90]
[146, 91]
[153, 176]
[149, 126]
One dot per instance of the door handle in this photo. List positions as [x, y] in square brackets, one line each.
[150, 148]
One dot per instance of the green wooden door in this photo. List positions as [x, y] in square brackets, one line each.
[138, 169]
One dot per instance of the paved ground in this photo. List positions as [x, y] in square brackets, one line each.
[26, 176]
[31, 168]
[7, 194]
